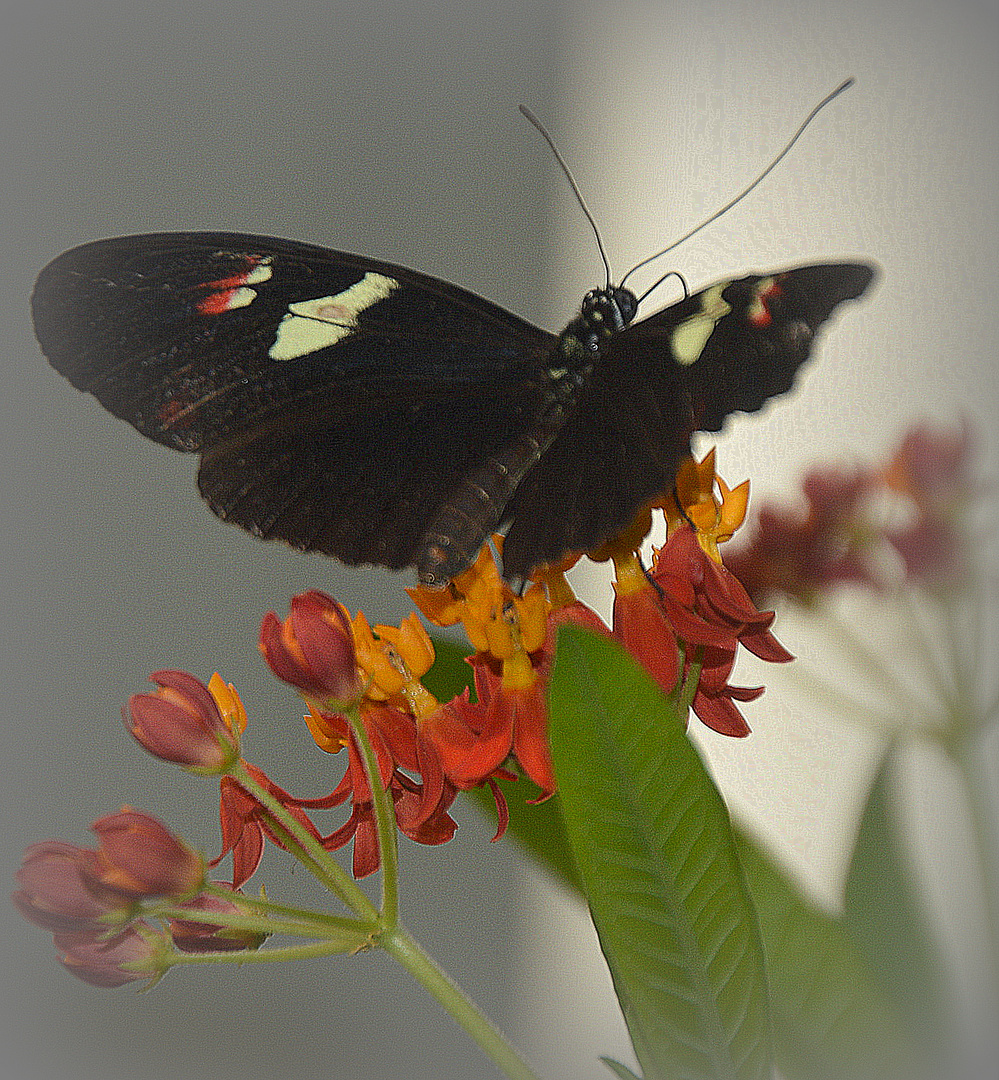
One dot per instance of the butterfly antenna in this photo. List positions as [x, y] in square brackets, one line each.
[572, 183]
[655, 285]
[759, 179]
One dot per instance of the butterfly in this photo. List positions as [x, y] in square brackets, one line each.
[375, 414]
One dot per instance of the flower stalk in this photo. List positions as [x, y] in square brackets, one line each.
[384, 823]
[399, 944]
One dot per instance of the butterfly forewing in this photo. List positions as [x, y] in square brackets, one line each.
[335, 399]
[740, 342]
[192, 337]
[375, 414]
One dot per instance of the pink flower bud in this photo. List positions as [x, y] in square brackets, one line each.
[107, 963]
[139, 857]
[194, 936]
[182, 722]
[313, 648]
[55, 893]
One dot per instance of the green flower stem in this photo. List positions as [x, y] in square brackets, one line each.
[397, 941]
[954, 605]
[969, 754]
[387, 932]
[688, 687]
[493, 1043]
[970, 741]
[278, 954]
[312, 853]
[990, 714]
[295, 914]
[384, 821]
[313, 925]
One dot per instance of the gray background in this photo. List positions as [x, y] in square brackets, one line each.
[392, 129]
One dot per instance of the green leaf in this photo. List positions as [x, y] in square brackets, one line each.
[832, 1018]
[656, 854]
[450, 673]
[619, 1070]
[882, 911]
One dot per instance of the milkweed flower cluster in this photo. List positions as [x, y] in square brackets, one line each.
[684, 619]
[885, 567]
[905, 521]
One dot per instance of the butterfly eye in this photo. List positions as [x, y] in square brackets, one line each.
[626, 304]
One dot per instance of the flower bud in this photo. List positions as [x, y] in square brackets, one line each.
[182, 723]
[313, 648]
[109, 962]
[140, 857]
[55, 893]
[195, 936]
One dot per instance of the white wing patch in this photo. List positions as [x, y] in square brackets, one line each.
[261, 272]
[690, 336]
[310, 325]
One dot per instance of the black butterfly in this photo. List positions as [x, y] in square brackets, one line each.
[372, 413]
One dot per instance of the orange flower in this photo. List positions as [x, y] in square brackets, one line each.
[421, 808]
[512, 642]
[229, 703]
[689, 614]
[394, 659]
[496, 620]
[639, 622]
[715, 517]
[474, 740]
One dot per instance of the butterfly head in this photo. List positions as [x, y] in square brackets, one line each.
[608, 311]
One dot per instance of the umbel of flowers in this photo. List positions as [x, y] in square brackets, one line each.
[404, 750]
[905, 522]
[684, 620]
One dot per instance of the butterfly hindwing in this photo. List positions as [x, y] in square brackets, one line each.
[365, 488]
